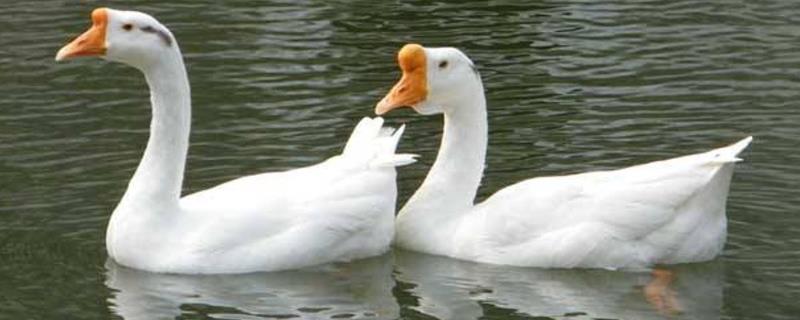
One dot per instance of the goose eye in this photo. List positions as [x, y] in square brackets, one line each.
[443, 64]
[127, 27]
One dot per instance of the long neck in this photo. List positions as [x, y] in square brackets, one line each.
[453, 181]
[159, 177]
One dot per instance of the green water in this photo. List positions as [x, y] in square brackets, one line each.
[572, 86]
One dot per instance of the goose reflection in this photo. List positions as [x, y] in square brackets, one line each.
[361, 289]
[452, 289]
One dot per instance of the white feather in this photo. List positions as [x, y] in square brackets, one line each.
[338, 210]
[669, 211]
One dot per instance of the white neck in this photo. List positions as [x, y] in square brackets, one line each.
[451, 185]
[158, 179]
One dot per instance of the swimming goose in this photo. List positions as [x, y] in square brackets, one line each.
[340, 209]
[670, 211]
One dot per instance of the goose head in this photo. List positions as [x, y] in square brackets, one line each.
[129, 37]
[434, 80]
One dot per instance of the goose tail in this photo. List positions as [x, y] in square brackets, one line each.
[376, 144]
[730, 153]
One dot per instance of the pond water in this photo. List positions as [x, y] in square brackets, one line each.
[572, 86]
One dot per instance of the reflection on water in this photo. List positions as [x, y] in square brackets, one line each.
[572, 85]
[362, 289]
[414, 285]
[451, 289]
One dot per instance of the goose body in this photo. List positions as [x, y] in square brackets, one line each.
[340, 209]
[670, 211]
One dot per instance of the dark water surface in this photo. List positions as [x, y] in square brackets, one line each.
[572, 86]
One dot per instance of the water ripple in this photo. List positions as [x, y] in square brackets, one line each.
[572, 86]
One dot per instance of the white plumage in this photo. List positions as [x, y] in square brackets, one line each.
[338, 210]
[670, 211]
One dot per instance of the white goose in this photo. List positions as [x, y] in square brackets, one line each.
[670, 211]
[337, 210]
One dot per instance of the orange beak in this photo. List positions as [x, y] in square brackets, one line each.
[413, 85]
[90, 43]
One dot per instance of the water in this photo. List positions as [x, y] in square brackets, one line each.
[572, 86]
